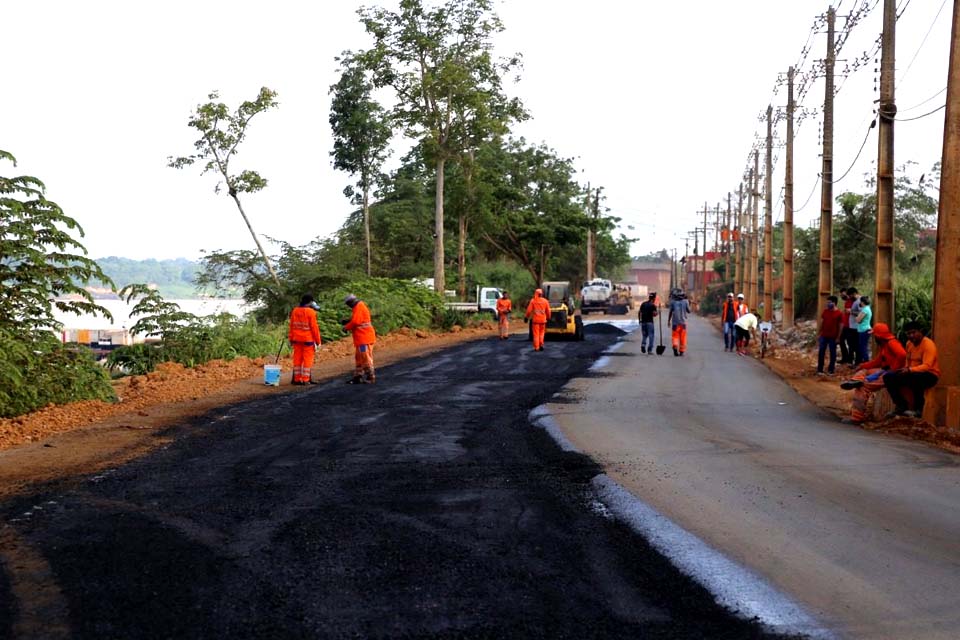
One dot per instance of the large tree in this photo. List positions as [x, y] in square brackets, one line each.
[361, 133]
[448, 85]
[222, 131]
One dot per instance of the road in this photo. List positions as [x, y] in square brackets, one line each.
[862, 529]
[424, 506]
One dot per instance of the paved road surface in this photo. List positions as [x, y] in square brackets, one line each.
[862, 528]
[425, 506]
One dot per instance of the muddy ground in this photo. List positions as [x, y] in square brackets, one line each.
[424, 506]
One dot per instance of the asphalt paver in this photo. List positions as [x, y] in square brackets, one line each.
[423, 506]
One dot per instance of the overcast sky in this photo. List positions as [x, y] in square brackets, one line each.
[657, 101]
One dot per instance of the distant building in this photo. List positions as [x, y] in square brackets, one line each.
[694, 265]
[651, 273]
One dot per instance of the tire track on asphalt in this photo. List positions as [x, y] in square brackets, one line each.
[41, 608]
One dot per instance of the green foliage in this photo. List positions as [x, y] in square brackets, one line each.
[393, 304]
[172, 278]
[913, 297]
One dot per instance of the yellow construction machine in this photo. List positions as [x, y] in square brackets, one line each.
[563, 322]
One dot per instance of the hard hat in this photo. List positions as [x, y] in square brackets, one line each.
[538, 292]
[730, 295]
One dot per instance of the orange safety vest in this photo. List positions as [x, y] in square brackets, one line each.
[360, 325]
[538, 310]
[504, 306]
[303, 326]
[736, 311]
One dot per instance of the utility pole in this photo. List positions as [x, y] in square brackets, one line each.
[739, 241]
[755, 251]
[768, 223]
[729, 268]
[887, 111]
[825, 286]
[592, 239]
[944, 407]
[589, 241]
[686, 264]
[703, 276]
[788, 211]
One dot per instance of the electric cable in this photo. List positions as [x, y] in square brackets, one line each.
[923, 42]
[873, 124]
[929, 113]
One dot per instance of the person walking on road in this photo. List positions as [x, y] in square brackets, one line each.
[504, 307]
[864, 320]
[648, 311]
[679, 310]
[364, 337]
[742, 307]
[304, 336]
[538, 312]
[831, 328]
[729, 315]
[745, 326]
[869, 377]
[922, 372]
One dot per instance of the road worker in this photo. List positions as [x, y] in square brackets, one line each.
[304, 335]
[729, 315]
[742, 307]
[922, 372]
[890, 356]
[745, 327]
[504, 307]
[364, 338]
[679, 309]
[538, 312]
[648, 311]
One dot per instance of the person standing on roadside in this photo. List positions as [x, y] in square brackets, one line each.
[728, 316]
[304, 336]
[504, 307]
[538, 312]
[742, 307]
[890, 356]
[364, 337]
[852, 335]
[831, 327]
[846, 339]
[921, 372]
[648, 311]
[679, 310]
[864, 320]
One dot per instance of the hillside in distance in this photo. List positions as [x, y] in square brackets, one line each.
[175, 279]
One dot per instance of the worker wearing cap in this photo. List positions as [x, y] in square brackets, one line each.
[648, 311]
[742, 307]
[890, 356]
[364, 337]
[504, 307]
[729, 316]
[304, 335]
[677, 316]
[538, 312]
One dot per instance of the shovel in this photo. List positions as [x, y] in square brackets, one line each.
[660, 347]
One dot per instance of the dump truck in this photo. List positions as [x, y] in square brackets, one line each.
[564, 322]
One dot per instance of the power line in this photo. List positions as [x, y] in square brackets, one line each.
[810, 197]
[930, 99]
[923, 42]
[873, 123]
[930, 113]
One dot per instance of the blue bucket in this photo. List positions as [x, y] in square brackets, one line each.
[271, 374]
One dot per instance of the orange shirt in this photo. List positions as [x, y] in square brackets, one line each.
[360, 325]
[538, 310]
[303, 326]
[504, 306]
[923, 357]
[890, 355]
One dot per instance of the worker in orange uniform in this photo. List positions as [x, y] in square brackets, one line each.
[304, 335]
[922, 372]
[364, 337]
[504, 307]
[677, 317]
[538, 312]
[889, 356]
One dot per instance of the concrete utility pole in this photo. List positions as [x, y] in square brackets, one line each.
[686, 264]
[944, 407]
[703, 277]
[755, 252]
[887, 111]
[591, 237]
[739, 243]
[788, 211]
[768, 223]
[716, 229]
[730, 269]
[825, 286]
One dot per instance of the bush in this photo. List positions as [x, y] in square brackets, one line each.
[913, 297]
[393, 304]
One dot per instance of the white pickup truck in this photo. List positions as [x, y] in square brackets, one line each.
[595, 295]
[485, 301]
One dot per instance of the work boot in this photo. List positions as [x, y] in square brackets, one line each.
[676, 351]
[643, 349]
[847, 385]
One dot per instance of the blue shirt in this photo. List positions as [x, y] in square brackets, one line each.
[864, 325]
[678, 312]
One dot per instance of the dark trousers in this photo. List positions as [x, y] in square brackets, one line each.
[848, 346]
[863, 346]
[824, 344]
[917, 382]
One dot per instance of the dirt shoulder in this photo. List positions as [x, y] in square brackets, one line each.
[796, 364]
[86, 437]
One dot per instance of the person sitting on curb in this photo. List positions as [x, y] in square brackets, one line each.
[869, 377]
[745, 326]
[922, 372]
[831, 327]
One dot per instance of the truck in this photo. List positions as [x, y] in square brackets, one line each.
[595, 296]
[621, 300]
[485, 301]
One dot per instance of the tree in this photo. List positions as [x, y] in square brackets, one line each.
[222, 131]
[447, 83]
[361, 133]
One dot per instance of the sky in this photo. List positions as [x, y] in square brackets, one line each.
[657, 102]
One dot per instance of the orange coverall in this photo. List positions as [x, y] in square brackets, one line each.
[363, 339]
[538, 312]
[304, 335]
[504, 307]
[890, 357]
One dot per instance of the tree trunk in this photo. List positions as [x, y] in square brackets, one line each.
[462, 257]
[438, 259]
[256, 240]
[366, 227]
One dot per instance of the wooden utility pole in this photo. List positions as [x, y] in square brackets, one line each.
[887, 111]
[788, 211]
[944, 407]
[755, 251]
[739, 243]
[768, 223]
[825, 286]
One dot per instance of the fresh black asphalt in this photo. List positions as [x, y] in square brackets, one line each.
[425, 506]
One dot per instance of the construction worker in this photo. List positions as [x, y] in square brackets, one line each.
[364, 338]
[729, 315]
[538, 312]
[679, 309]
[648, 311]
[890, 356]
[742, 307]
[304, 335]
[745, 327]
[922, 372]
[504, 307]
